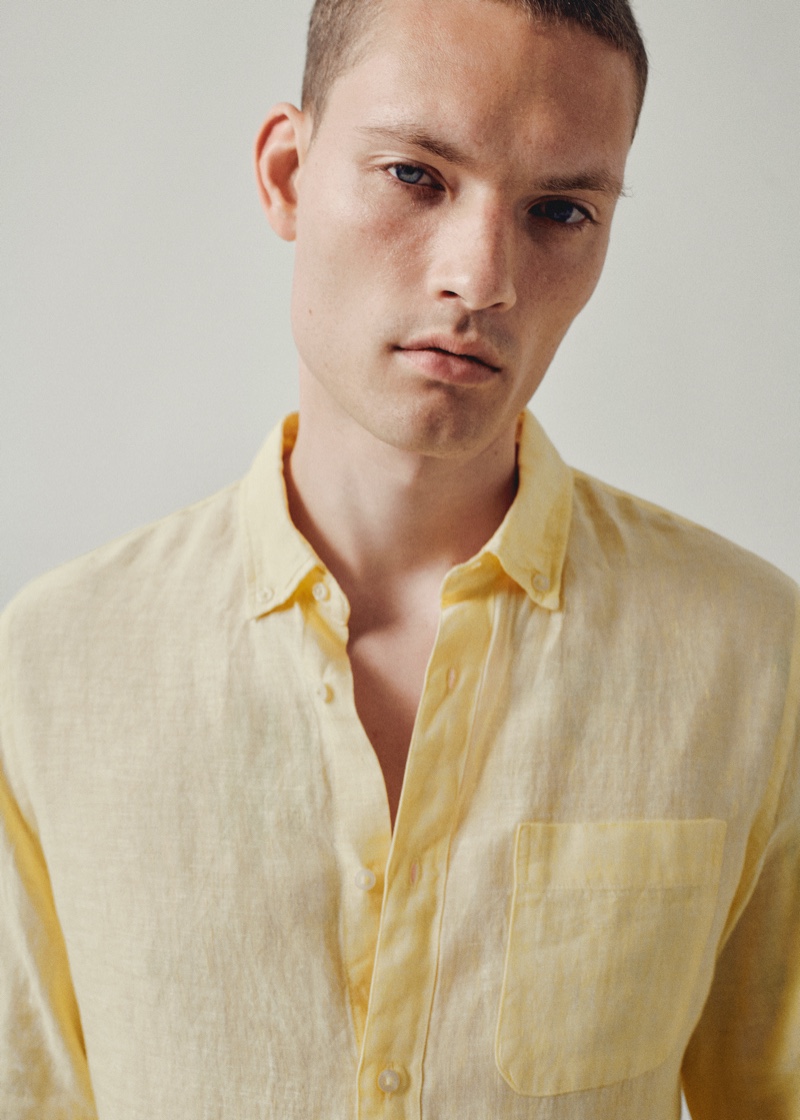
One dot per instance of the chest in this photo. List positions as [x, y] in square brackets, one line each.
[388, 666]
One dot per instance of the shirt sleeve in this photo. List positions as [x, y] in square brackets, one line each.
[43, 1069]
[743, 1062]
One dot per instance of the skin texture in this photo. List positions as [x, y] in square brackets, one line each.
[451, 218]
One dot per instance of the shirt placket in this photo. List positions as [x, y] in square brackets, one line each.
[405, 963]
[360, 814]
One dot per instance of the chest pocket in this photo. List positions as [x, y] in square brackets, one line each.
[609, 926]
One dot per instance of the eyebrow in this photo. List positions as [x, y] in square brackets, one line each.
[418, 138]
[598, 180]
[601, 181]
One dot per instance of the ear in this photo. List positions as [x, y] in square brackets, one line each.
[280, 150]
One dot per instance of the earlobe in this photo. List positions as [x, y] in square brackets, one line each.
[279, 152]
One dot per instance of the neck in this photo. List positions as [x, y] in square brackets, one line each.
[374, 512]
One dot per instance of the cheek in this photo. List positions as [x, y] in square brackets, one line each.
[349, 248]
[563, 280]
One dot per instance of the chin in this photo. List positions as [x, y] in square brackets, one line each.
[439, 429]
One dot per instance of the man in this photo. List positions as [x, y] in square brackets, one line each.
[418, 775]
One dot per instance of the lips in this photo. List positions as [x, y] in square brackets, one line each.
[459, 351]
[456, 361]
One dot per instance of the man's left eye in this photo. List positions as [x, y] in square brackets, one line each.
[561, 211]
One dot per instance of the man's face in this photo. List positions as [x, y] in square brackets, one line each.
[453, 215]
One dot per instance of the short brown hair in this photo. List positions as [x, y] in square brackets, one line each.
[338, 35]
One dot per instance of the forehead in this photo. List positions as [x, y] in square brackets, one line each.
[483, 73]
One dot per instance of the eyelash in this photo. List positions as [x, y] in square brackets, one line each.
[586, 217]
[433, 185]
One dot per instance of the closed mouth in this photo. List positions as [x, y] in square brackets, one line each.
[479, 356]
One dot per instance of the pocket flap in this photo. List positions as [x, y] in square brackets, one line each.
[619, 855]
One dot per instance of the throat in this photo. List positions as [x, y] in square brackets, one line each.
[379, 512]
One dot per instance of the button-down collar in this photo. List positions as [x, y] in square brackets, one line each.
[530, 544]
[277, 557]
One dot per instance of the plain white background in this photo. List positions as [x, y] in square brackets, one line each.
[145, 342]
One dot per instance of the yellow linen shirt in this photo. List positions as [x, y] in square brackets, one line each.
[592, 888]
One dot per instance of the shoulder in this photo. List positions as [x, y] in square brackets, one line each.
[148, 570]
[678, 571]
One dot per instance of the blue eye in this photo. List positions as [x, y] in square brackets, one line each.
[410, 174]
[560, 211]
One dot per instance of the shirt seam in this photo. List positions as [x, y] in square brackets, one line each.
[8, 739]
[781, 752]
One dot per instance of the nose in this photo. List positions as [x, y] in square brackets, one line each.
[473, 258]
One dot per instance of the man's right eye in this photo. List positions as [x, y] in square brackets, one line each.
[410, 174]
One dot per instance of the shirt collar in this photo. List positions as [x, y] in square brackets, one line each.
[530, 544]
[277, 556]
[531, 541]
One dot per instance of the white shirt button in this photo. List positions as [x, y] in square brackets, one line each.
[541, 583]
[265, 594]
[365, 879]
[325, 693]
[389, 1080]
[320, 592]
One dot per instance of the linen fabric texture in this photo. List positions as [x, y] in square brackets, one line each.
[592, 891]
